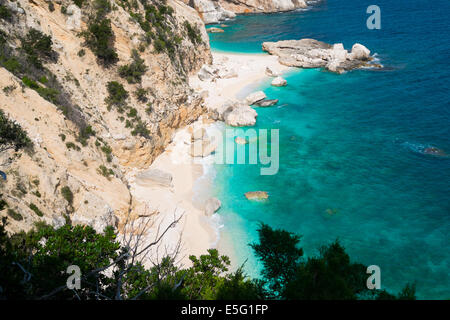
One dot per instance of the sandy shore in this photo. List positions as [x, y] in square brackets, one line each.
[186, 196]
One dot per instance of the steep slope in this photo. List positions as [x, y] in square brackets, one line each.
[100, 90]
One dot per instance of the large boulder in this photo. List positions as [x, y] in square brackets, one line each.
[279, 82]
[240, 115]
[255, 97]
[360, 52]
[154, 177]
[208, 73]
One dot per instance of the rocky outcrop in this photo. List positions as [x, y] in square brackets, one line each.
[211, 11]
[262, 6]
[310, 53]
[94, 168]
[237, 114]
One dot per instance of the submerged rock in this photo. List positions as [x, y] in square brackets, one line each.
[310, 53]
[212, 205]
[214, 30]
[202, 148]
[240, 140]
[434, 151]
[279, 82]
[256, 195]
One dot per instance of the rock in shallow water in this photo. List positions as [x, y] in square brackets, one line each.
[279, 82]
[255, 97]
[256, 195]
[211, 206]
[310, 53]
[266, 103]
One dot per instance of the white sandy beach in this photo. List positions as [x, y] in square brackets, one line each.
[196, 228]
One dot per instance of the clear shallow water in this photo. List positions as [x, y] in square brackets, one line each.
[354, 143]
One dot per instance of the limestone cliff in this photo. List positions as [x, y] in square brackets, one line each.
[214, 11]
[99, 87]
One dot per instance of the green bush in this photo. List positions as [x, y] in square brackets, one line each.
[5, 13]
[134, 71]
[193, 33]
[104, 171]
[99, 38]
[37, 45]
[140, 129]
[117, 94]
[12, 136]
[71, 145]
[141, 94]
[67, 194]
[15, 215]
[36, 209]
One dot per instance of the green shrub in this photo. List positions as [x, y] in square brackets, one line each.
[71, 145]
[99, 38]
[12, 136]
[117, 94]
[36, 209]
[5, 13]
[15, 215]
[81, 53]
[37, 45]
[79, 3]
[11, 64]
[85, 134]
[134, 71]
[104, 171]
[193, 33]
[67, 194]
[140, 129]
[141, 94]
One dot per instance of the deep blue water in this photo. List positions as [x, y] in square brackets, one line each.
[353, 143]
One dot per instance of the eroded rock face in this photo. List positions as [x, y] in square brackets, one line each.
[310, 53]
[250, 6]
[211, 11]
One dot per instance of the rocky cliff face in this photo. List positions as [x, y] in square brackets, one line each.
[99, 87]
[214, 11]
[262, 6]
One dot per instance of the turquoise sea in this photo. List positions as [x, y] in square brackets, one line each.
[352, 145]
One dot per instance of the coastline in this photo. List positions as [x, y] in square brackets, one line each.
[191, 177]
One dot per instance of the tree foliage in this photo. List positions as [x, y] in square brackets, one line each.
[33, 265]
